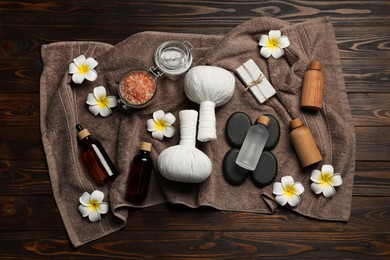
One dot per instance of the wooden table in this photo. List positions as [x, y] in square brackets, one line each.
[30, 225]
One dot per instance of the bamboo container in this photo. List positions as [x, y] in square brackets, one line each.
[313, 87]
[304, 143]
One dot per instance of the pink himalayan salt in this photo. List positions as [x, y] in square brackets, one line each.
[138, 87]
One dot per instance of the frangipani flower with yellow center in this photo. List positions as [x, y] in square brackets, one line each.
[273, 44]
[161, 125]
[99, 103]
[92, 205]
[288, 191]
[82, 68]
[325, 180]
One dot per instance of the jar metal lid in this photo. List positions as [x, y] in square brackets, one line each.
[173, 57]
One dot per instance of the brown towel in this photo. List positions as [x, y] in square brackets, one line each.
[63, 105]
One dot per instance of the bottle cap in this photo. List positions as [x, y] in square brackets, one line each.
[297, 122]
[263, 120]
[315, 65]
[82, 132]
[145, 146]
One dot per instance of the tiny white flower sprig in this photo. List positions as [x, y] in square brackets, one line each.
[161, 125]
[325, 180]
[92, 205]
[273, 44]
[99, 103]
[287, 191]
[82, 68]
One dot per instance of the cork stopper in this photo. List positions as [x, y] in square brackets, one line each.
[295, 123]
[263, 120]
[315, 65]
[145, 146]
[82, 132]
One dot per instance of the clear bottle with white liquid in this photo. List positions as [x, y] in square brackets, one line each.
[253, 145]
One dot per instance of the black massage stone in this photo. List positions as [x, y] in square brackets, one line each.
[236, 128]
[266, 170]
[273, 129]
[234, 174]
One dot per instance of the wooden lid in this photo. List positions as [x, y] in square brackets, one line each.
[263, 120]
[145, 146]
[315, 65]
[297, 122]
[83, 133]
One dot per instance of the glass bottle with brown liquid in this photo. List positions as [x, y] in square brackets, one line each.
[95, 158]
[139, 176]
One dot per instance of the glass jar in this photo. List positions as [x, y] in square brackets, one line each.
[137, 88]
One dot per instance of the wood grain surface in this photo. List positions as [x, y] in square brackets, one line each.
[30, 224]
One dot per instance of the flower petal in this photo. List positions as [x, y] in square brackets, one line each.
[158, 115]
[169, 118]
[97, 196]
[266, 52]
[85, 211]
[277, 188]
[103, 208]
[158, 134]
[277, 52]
[112, 101]
[73, 68]
[151, 125]
[91, 100]
[99, 92]
[336, 180]
[105, 111]
[327, 168]
[286, 181]
[77, 78]
[169, 131]
[329, 191]
[91, 63]
[94, 216]
[95, 109]
[264, 40]
[316, 176]
[85, 199]
[284, 42]
[317, 188]
[294, 200]
[281, 200]
[91, 75]
[299, 189]
[80, 60]
[274, 34]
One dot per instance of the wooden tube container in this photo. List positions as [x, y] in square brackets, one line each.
[304, 143]
[313, 87]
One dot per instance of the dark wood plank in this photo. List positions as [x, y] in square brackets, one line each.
[206, 13]
[200, 245]
[40, 213]
[368, 109]
[25, 142]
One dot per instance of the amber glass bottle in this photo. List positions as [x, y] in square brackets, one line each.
[95, 158]
[139, 176]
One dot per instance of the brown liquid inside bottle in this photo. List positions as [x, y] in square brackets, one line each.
[95, 158]
[140, 172]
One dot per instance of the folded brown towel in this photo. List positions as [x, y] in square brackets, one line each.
[63, 106]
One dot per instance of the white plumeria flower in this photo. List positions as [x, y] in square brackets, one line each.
[83, 68]
[99, 103]
[161, 125]
[325, 180]
[92, 205]
[288, 191]
[273, 44]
